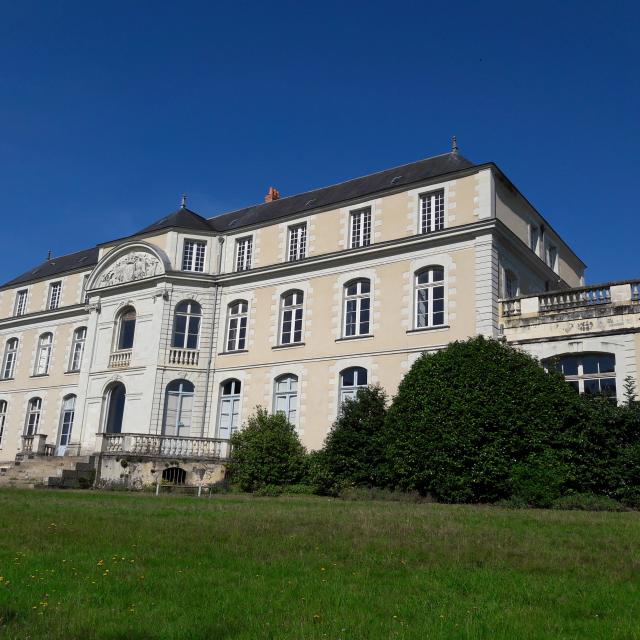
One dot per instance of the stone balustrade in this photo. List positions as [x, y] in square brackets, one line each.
[164, 446]
[120, 359]
[579, 297]
[35, 444]
[183, 357]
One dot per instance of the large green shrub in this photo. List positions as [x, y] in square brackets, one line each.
[480, 421]
[266, 452]
[353, 452]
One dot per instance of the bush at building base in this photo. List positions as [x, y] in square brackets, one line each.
[480, 422]
[266, 452]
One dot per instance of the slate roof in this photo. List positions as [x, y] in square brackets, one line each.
[297, 204]
[356, 188]
[183, 218]
[49, 268]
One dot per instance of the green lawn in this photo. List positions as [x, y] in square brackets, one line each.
[113, 565]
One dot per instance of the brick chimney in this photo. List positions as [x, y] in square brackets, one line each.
[272, 194]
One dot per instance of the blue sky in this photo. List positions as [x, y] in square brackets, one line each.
[110, 111]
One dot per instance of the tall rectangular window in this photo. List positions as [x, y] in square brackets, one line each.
[3, 418]
[360, 228]
[244, 251]
[552, 257]
[85, 282]
[297, 242]
[77, 348]
[193, 255]
[55, 289]
[432, 211]
[20, 307]
[534, 238]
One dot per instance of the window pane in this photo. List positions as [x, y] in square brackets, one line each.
[348, 378]
[591, 387]
[607, 363]
[590, 364]
[608, 387]
[569, 365]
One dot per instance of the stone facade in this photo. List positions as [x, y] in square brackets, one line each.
[151, 396]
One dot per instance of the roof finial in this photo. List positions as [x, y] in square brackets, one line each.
[454, 144]
[49, 256]
[183, 204]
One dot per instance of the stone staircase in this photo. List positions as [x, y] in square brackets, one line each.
[48, 471]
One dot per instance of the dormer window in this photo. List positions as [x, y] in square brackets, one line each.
[193, 255]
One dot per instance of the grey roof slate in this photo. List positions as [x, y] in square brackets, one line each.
[49, 268]
[350, 190]
[183, 218]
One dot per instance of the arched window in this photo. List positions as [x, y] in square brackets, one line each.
[43, 355]
[229, 408]
[588, 373]
[126, 328]
[66, 423]
[77, 348]
[429, 297]
[291, 309]
[115, 400]
[33, 417]
[10, 357]
[186, 325]
[177, 408]
[285, 396]
[174, 475]
[511, 285]
[351, 380]
[237, 325]
[3, 418]
[357, 307]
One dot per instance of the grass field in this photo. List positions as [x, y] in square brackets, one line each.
[112, 565]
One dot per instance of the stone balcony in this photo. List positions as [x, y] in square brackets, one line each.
[606, 308]
[120, 359]
[159, 446]
[36, 445]
[183, 357]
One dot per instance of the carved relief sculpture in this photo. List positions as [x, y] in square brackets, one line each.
[134, 266]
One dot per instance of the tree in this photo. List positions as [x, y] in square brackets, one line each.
[629, 391]
[266, 451]
[470, 422]
[353, 452]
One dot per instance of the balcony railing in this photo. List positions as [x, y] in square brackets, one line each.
[120, 359]
[511, 308]
[37, 445]
[164, 446]
[183, 357]
[575, 298]
[635, 291]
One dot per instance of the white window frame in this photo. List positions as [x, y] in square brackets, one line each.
[4, 408]
[510, 279]
[237, 323]
[78, 344]
[43, 354]
[32, 419]
[288, 396]
[360, 227]
[192, 315]
[351, 390]
[84, 294]
[581, 377]
[20, 305]
[293, 316]
[10, 358]
[297, 242]
[432, 209]
[181, 395]
[243, 253]
[427, 320]
[357, 298]
[229, 404]
[67, 416]
[55, 295]
[194, 255]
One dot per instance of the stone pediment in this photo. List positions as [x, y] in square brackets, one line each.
[135, 265]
